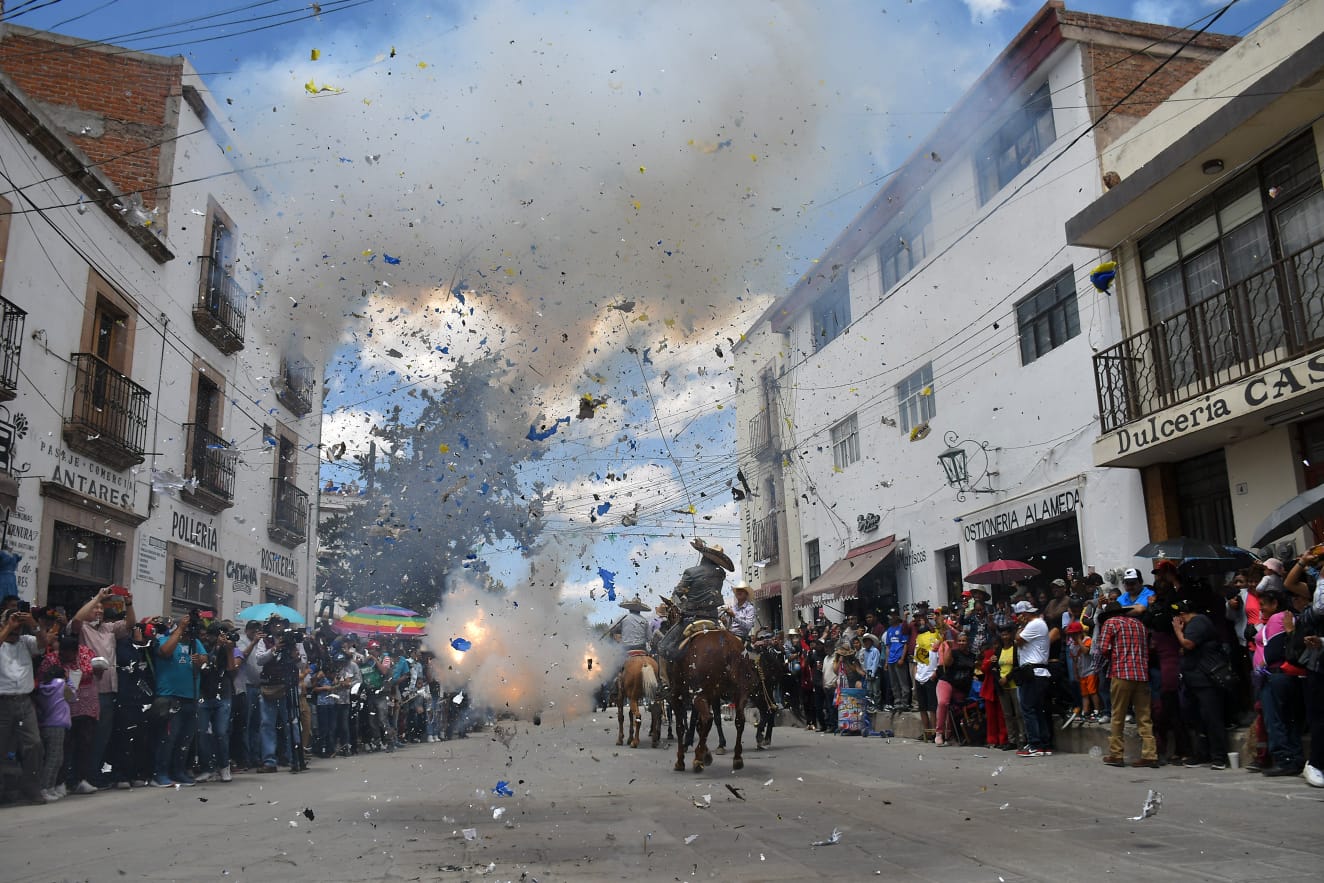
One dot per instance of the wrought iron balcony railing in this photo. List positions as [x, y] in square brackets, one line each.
[760, 434]
[211, 462]
[764, 536]
[11, 344]
[295, 386]
[289, 513]
[1270, 317]
[109, 415]
[219, 315]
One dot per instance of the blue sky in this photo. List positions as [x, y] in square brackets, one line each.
[557, 159]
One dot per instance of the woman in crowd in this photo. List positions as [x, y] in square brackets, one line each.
[1280, 692]
[1200, 652]
[956, 671]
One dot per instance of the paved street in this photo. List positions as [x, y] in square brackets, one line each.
[586, 810]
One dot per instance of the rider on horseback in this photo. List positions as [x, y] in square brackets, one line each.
[698, 595]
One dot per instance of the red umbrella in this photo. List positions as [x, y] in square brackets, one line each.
[1001, 572]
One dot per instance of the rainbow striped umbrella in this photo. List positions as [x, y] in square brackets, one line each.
[384, 620]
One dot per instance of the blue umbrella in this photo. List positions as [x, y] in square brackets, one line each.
[266, 611]
[1232, 558]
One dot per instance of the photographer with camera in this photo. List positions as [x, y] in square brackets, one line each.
[377, 683]
[99, 625]
[18, 717]
[246, 707]
[177, 657]
[216, 693]
[280, 656]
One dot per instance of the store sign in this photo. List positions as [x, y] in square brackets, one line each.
[909, 558]
[150, 562]
[279, 565]
[242, 577]
[21, 538]
[194, 531]
[1271, 388]
[868, 523]
[88, 477]
[1024, 513]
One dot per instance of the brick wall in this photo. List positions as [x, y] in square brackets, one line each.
[131, 95]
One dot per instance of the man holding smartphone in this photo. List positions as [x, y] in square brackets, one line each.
[99, 624]
[18, 718]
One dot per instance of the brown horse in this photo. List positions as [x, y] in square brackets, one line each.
[711, 666]
[638, 681]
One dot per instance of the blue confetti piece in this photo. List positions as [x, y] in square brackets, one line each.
[502, 789]
[460, 644]
[464, 442]
[608, 582]
[604, 508]
[535, 435]
[390, 260]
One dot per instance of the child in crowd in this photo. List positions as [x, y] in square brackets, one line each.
[1080, 646]
[53, 722]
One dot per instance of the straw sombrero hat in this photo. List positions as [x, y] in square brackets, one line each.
[742, 587]
[714, 553]
[634, 605]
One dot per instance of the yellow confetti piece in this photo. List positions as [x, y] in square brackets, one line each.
[393, 52]
[837, 469]
[753, 157]
[926, 391]
[670, 323]
[691, 509]
[510, 271]
[422, 65]
[443, 448]
[637, 205]
[643, 169]
[721, 407]
[367, 252]
[642, 317]
[315, 54]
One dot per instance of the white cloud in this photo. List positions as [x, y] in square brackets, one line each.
[984, 8]
[1160, 12]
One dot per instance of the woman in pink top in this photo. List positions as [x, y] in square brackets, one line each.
[76, 661]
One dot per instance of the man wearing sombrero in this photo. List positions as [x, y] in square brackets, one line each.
[741, 615]
[633, 628]
[698, 595]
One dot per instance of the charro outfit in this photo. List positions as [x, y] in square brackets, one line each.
[698, 595]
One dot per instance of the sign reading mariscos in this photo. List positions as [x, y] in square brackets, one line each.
[1268, 388]
[1054, 503]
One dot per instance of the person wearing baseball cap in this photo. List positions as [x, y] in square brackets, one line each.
[1034, 679]
[1135, 595]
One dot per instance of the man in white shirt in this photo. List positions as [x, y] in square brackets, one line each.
[247, 712]
[18, 717]
[741, 616]
[872, 659]
[1033, 679]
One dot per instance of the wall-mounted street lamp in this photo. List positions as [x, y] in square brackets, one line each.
[955, 463]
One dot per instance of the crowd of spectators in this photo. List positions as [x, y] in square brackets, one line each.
[100, 700]
[1187, 658]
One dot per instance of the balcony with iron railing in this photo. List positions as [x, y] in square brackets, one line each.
[294, 387]
[1268, 318]
[108, 421]
[288, 524]
[211, 466]
[761, 435]
[11, 345]
[219, 314]
[764, 538]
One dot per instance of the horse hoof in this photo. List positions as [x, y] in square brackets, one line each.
[680, 767]
[738, 765]
[620, 741]
[698, 766]
[720, 750]
[708, 757]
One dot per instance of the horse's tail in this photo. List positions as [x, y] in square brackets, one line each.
[650, 683]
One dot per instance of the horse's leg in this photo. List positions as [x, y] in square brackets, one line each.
[655, 727]
[721, 736]
[678, 713]
[703, 714]
[620, 717]
[737, 762]
[634, 721]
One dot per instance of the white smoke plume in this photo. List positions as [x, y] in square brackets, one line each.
[530, 653]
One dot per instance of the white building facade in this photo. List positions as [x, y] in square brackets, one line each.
[154, 434]
[1215, 393]
[953, 318]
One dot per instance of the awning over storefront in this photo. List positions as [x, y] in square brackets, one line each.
[768, 591]
[841, 581]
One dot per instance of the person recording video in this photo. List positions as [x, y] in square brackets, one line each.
[281, 657]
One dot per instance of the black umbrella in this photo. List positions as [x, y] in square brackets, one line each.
[1179, 548]
[1296, 512]
[1233, 558]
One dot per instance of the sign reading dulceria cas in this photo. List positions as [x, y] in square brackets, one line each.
[1273, 387]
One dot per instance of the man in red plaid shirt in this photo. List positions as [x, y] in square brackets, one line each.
[1123, 645]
